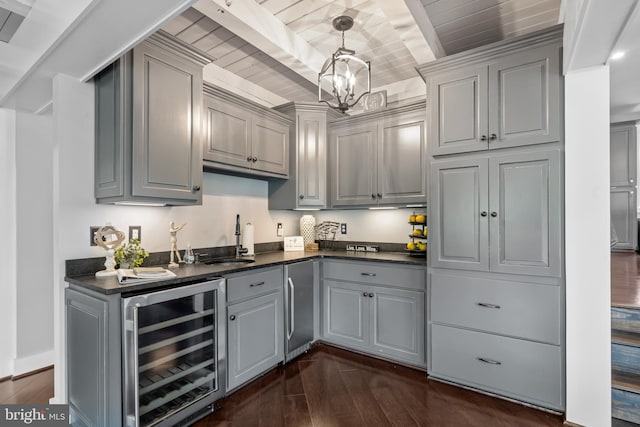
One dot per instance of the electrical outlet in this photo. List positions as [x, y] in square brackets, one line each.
[279, 230]
[135, 232]
[92, 234]
[343, 228]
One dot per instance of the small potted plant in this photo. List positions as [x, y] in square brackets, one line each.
[131, 254]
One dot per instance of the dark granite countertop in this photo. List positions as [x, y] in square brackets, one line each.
[197, 272]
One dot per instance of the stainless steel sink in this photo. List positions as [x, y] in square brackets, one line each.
[229, 261]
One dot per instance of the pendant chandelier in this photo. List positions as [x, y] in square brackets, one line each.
[347, 75]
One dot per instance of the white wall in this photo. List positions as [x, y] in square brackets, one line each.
[7, 248]
[588, 295]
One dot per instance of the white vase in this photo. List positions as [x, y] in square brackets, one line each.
[307, 228]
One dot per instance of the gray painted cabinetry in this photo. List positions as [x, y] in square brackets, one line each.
[243, 137]
[375, 308]
[255, 324]
[495, 217]
[148, 133]
[623, 158]
[379, 159]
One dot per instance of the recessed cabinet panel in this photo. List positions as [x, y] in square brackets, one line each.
[458, 225]
[353, 179]
[270, 145]
[346, 315]
[228, 134]
[623, 209]
[525, 213]
[623, 158]
[312, 159]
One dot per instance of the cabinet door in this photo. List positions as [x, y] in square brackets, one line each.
[459, 222]
[167, 152]
[346, 314]
[623, 217]
[312, 159]
[524, 98]
[270, 146]
[397, 323]
[402, 160]
[458, 117]
[525, 213]
[622, 146]
[353, 166]
[255, 329]
[228, 137]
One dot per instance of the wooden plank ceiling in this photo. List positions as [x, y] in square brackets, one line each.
[271, 50]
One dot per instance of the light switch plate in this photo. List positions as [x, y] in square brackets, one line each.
[135, 232]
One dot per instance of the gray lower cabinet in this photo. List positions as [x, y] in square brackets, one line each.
[502, 95]
[374, 313]
[623, 158]
[500, 213]
[255, 324]
[148, 133]
[243, 137]
[379, 159]
[94, 344]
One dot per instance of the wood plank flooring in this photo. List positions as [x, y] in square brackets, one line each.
[625, 279]
[35, 389]
[333, 387]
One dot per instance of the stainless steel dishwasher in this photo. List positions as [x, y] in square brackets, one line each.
[299, 315]
[174, 354]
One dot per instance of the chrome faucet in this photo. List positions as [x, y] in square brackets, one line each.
[239, 249]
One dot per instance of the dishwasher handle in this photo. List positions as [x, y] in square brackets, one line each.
[292, 310]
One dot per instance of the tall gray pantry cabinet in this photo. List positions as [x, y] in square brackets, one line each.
[495, 216]
[624, 159]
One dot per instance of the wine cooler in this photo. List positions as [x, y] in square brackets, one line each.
[174, 347]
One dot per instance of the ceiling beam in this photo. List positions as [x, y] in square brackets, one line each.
[21, 7]
[258, 27]
[423, 22]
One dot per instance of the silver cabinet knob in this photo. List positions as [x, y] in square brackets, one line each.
[379, 196]
[483, 138]
[493, 137]
[301, 196]
[255, 159]
[370, 295]
[196, 188]
[494, 214]
[483, 213]
[232, 317]
[249, 158]
[364, 294]
[373, 196]
[631, 180]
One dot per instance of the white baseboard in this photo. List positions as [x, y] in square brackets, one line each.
[33, 362]
[6, 368]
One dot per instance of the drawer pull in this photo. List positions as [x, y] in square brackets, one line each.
[487, 305]
[489, 361]
[256, 284]
[368, 274]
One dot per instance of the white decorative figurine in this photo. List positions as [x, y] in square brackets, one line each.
[174, 244]
[108, 238]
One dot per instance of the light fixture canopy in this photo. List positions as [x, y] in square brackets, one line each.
[348, 76]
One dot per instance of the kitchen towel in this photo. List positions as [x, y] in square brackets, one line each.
[247, 239]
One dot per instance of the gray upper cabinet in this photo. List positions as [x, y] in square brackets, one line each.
[307, 189]
[148, 125]
[504, 96]
[500, 213]
[379, 159]
[244, 138]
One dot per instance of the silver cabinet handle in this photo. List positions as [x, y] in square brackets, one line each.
[368, 274]
[232, 317]
[292, 310]
[256, 284]
[489, 361]
[487, 305]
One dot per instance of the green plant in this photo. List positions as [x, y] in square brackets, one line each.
[131, 253]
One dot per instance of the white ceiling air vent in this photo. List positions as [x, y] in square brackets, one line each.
[12, 13]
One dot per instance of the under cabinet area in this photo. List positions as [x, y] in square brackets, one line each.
[148, 133]
[509, 97]
[375, 308]
[379, 159]
[243, 137]
[255, 324]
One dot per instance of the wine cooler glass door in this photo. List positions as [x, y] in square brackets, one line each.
[172, 349]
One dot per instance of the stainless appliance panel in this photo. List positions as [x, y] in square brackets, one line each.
[299, 315]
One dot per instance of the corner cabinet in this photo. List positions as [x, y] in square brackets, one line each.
[509, 100]
[379, 159]
[148, 132]
[376, 308]
[244, 138]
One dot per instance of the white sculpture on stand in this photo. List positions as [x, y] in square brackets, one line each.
[174, 244]
[108, 238]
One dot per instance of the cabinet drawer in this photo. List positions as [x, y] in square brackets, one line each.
[376, 274]
[520, 369]
[245, 285]
[523, 310]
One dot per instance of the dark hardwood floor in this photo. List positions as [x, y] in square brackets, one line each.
[34, 389]
[625, 279]
[334, 387]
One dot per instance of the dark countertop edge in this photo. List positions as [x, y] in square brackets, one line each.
[109, 285]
